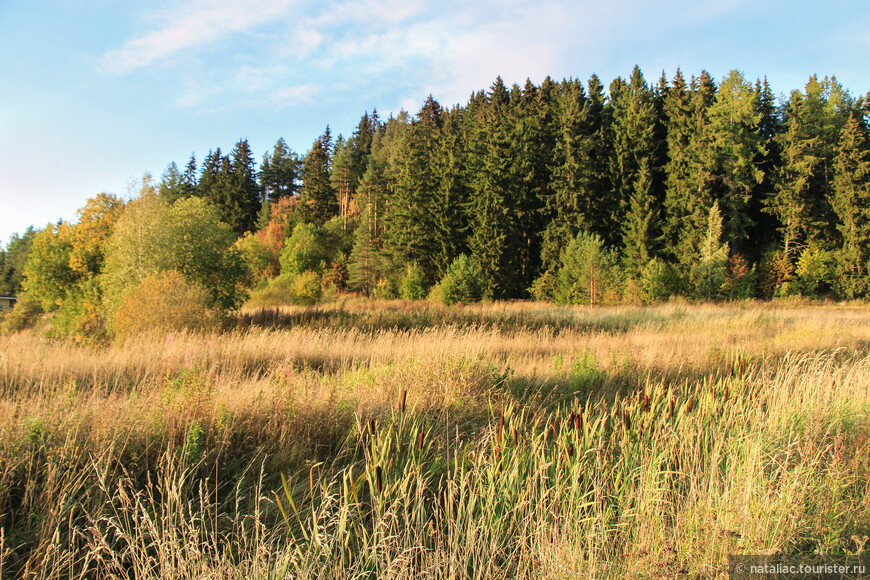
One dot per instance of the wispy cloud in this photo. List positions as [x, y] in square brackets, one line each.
[200, 22]
[411, 45]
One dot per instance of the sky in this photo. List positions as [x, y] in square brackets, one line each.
[94, 93]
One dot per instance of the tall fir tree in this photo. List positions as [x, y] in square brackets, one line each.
[318, 199]
[735, 144]
[851, 203]
[280, 172]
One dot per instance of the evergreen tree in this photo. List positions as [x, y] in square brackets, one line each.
[280, 172]
[318, 198]
[241, 204]
[735, 144]
[633, 170]
[171, 183]
[851, 203]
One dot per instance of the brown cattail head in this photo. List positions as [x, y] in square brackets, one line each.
[742, 366]
[676, 462]
[626, 420]
[498, 452]
[671, 409]
[570, 450]
[372, 426]
[379, 479]
[555, 429]
[578, 422]
[420, 441]
[570, 424]
[404, 398]
[516, 437]
[691, 404]
[645, 403]
[726, 390]
[640, 429]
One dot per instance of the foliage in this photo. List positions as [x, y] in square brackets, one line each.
[588, 273]
[814, 272]
[303, 250]
[163, 302]
[25, 314]
[13, 259]
[413, 286]
[659, 281]
[710, 273]
[461, 282]
[188, 237]
[306, 288]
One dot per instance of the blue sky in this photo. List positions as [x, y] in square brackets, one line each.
[96, 92]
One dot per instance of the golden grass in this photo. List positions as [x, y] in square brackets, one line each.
[161, 456]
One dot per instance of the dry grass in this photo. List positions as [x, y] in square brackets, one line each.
[160, 456]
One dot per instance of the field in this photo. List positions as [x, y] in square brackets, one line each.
[408, 440]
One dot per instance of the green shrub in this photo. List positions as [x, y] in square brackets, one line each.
[413, 286]
[461, 282]
[25, 314]
[589, 272]
[658, 280]
[306, 288]
[815, 271]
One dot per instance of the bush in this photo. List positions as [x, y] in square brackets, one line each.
[589, 272]
[461, 282]
[306, 288]
[24, 315]
[815, 271]
[163, 302]
[413, 286]
[81, 316]
[659, 281]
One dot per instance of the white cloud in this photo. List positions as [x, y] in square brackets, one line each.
[200, 22]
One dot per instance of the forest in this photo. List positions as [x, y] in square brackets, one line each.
[563, 191]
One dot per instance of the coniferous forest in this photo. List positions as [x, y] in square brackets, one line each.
[566, 191]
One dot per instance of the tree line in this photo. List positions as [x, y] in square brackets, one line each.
[565, 191]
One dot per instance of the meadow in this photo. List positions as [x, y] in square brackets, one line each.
[364, 439]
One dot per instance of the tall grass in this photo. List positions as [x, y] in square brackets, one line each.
[608, 444]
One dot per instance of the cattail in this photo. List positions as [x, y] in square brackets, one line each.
[671, 409]
[626, 420]
[402, 404]
[640, 429]
[570, 450]
[645, 403]
[420, 441]
[379, 479]
[571, 420]
[726, 390]
[742, 366]
[498, 452]
[516, 437]
[578, 422]
[372, 426]
[500, 429]
[691, 404]
[676, 462]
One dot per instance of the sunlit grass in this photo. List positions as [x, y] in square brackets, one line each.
[279, 447]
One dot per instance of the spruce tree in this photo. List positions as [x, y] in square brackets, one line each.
[851, 203]
[280, 172]
[735, 144]
[318, 199]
